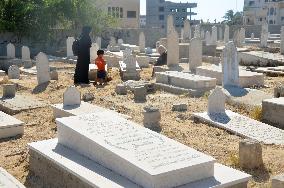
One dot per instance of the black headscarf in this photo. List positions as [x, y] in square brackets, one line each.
[86, 30]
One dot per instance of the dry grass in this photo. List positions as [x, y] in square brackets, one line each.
[256, 113]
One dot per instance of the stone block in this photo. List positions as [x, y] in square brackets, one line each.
[277, 181]
[143, 61]
[54, 75]
[14, 72]
[121, 89]
[71, 97]
[9, 90]
[128, 149]
[250, 154]
[88, 97]
[279, 91]
[27, 64]
[8, 181]
[10, 126]
[152, 118]
[140, 94]
[273, 110]
[180, 107]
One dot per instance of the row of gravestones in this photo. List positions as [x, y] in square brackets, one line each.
[11, 52]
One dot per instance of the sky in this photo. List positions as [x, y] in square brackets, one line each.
[207, 9]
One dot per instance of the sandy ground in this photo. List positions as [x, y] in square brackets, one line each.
[40, 125]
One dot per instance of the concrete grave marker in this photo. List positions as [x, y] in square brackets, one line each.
[197, 33]
[216, 101]
[282, 40]
[71, 96]
[99, 42]
[242, 35]
[195, 53]
[14, 72]
[170, 24]
[252, 36]
[187, 30]
[69, 43]
[26, 55]
[214, 36]
[42, 67]
[120, 42]
[226, 34]
[207, 38]
[93, 52]
[173, 49]
[220, 33]
[11, 51]
[264, 35]
[142, 42]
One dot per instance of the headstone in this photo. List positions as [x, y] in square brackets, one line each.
[237, 38]
[88, 97]
[250, 154]
[282, 40]
[220, 33]
[9, 90]
[11, 51]
[93, 51]
[181, 33]
[142, 42]
[252, 36]
[230, 65]
[14, 72]
[179, 107]
[227, 34]
[42, 67]
[140, 93]
[186, 30]
[173, 48]
[69, 43]
[264, 35]
[170, 24]
[26, 55]
[195, 54]
[216, 102]
[214, 36]
[242, 35]
[197, 31]
[207, 38]
[112, 41]
[121, 89]
[279, 91]
[202, 34]
[54, 75]
[99, 42]
[71, 97]
[129, 59]
[277, 181]
[120, 42]
[152, 118]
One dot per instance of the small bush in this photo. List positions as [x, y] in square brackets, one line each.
[234, 160]
[256, 113]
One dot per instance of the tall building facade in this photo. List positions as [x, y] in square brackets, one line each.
[258, 11]
[157, 12]
[126, 11]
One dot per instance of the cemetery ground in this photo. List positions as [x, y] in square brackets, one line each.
[40, 124]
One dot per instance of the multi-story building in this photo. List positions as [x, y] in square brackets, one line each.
[126, 11]
[258, 11]
[157, 12]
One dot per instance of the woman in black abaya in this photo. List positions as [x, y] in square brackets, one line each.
[82, 67]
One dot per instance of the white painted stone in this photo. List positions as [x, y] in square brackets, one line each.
[69, 43]
[71, 96]
[11, 51]
[264, 35]
[173, 48]
[8, 181]
[244, 126]
[14, 72]
[142, 42]
[95, 175]
[282, 40]
[214, 36]
[9, 127]
[99, 42]
[207, 38]
[197, 31]
[128, 149]
[195, 53]
[226, 34]
[230, 65]
[9, 90]
[42, 68]
[93, 51]
[216, 101]
[26, 55]
[187, 30]
[252, 36]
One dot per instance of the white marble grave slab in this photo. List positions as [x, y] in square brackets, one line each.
[244, 126]
[8, 181]
[145, 157]
[122, 66]
[10, 126]
[96, 175]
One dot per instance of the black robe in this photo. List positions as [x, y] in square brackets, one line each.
[81, 75]
[162, 60]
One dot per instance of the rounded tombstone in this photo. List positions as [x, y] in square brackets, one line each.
[14, 72]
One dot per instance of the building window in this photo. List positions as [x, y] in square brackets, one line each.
[173, 10]
[251, 3]
[131, 14]
[121, 12]
[260, 19]
[161, 17]
[162, 26]
[270, 22]
[161, 9]
[183, 10]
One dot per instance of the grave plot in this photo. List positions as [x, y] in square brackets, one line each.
[128, 149]
[10, 126]
[8, 181]
[260, 58]
[273, 110]
[181, 83]
[216, 115]
[129, 67]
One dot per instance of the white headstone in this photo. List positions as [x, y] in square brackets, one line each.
[214, 36]
[220, 33]
[42, 67]
[130, 60]
[142, 42]
[197, 31]
[195, 54]
[242, 35]
[112, 41]
[120, 42]
[237, 38]
[93, 51]
[170, 24]
[11, 51]
[99, 42]
[14, 72]
[202, 34]
[71, 96]
[207, 38]
[181, 33]
[252, 36]
[264, 35]
[186, 30]
[230, 65]
[282, 40]
[26, 55]
[173, 48]
[216, 101]
[69, 43]
[226, 34]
